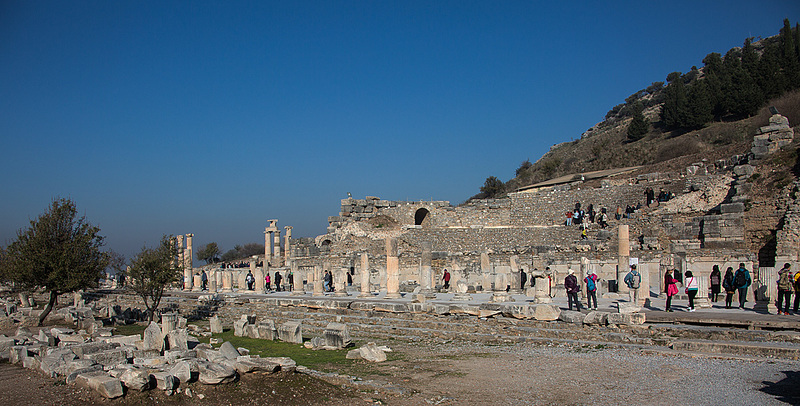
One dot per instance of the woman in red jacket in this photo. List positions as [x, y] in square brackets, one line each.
[670, 288]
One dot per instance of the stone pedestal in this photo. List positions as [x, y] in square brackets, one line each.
[297, 287]
[765, 289]
[197, 283]
[542, 286]
[461, 291]
[487, 277]
[701, 300]
[365, 286]
[188, 280]
[258, 275]
[393, 278]
[227, 281]
[340, 282]
[425, 268]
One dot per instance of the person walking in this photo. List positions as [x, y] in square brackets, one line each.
[691, 289]
[204, 280]
[785, 288]
[278, 279]
[290, 278]
[250, 280]
[591, 289]
[716, 282]
[446, 279]
[727, 284]
[742, 281]
[326, 281]
[633, 280]
[571, 285]
[670, 288]
[267, 282]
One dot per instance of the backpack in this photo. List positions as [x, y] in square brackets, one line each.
[785, 281]
[633, 281]
[739, 280]
[590, 285]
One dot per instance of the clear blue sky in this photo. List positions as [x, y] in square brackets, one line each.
[161, 117]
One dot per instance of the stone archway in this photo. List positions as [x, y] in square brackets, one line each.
[422, 217]
[325, 247]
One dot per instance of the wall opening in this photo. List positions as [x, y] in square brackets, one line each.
[421, 217]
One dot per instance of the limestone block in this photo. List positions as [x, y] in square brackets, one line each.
[743, 170]
[518, 311]
[17, 353]
[623, 307]
[369, 352]
[390, 307]
[6, 343]
[55, 363]
[256, 364]
[228, 351]
[101, 383]
[216, 324]
[164, 380]
[30, 363]
[90, 348]
[238, 326]
[150, 362]
[210, 373]
[286, 364]
[626, 318]
[266, 330]
[571, 316]
[731, 208]
[152, 339]
[123, 340]
[136, 379]
[598, 318]
[178, 340]
[72, 376]
[108, 357]
[291, 332]
[546, 312]
[337, 335]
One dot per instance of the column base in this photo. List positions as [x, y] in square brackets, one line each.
[764, 306]
[394, 296]
[462, 296]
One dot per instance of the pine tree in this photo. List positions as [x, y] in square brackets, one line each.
[700, 105]
[675, 110]
[639, 125]
[789, 61]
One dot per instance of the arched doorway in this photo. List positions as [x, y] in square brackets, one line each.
[422, 217]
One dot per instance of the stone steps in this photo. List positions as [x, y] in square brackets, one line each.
[760, 349]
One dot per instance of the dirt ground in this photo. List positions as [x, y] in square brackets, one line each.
[465, 373]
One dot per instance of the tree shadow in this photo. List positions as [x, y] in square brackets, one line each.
[785, 390]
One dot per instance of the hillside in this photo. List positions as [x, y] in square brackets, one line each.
[708, 113]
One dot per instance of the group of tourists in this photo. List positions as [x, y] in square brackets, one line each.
[732, 282]
[582, 218]
[250, 280]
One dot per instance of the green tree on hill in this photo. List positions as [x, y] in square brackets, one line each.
[58, 253]
[152, 270]
[639, 125]
[209, 253]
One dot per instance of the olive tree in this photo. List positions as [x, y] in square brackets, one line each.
[152, 270]
[58, 253]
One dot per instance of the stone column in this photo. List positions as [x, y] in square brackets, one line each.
[212, 280]
[297, 287]
[701, 300]
[258, 275]
[765, 289]
[169, 322]
[486, 272]
[542, 287]
[277, 245]
[318, 281]
[392, 270]
[425, 269]
[179, 244]
[624, 254]
[227, 281]
[267, 246]
[365, 287]
[516, 275]
[287, 244]
[340, 282]
[188, 255]
[188, 279]
[644, 288]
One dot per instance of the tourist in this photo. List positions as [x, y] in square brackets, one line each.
[591, 289]
[250, 280]
[785, 288]
[716, 281]
[290, 278]
[571, 285]
[204, 280]
[327, 281]
[278, 279]
[569, 217]
[727, 284]
[796, 292]
[618, 214]
[603, 218]
[691, 289]
[523, 277]
[267, 282]
[584, 234]
[349, 279]
[670, 288]
[741, 281]
[446, 279]
[633, 280]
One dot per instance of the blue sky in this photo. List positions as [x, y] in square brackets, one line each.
[161, 117]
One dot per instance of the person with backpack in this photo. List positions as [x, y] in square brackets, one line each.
[742, 281]
[250, 280]
[591, 289]
[691, 289]
[727, 284]
[633, 280]
[278, 279]
[571, 285]
[670, 288]
[785, 288]
[446, 279]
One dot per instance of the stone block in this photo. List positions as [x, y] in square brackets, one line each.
[211, 373]
[390, 307]
[596, 318]
[266, 330]
[17, 353]
[731, 208]
[72, 376]
[546, 312]
[286, 364]
[152, 338]
[215, 324]
[626, 318]
[164, 381]
[337, 335]
[228, 351]
[369, 352]
[291, 331]
[571, 316]
[101, 383]
[743, 170]
[55, 363]
[137, 379]
[108, 357]
[238, 326]
[624, 307]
